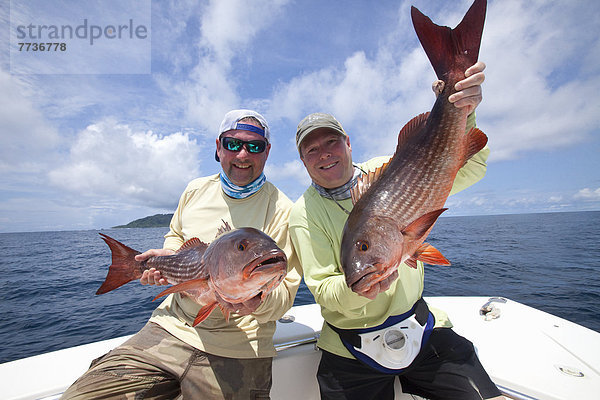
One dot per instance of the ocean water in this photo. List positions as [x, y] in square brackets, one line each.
[547, 261]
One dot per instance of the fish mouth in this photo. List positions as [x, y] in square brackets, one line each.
[375, 279]
[259, 277]
[271, 261]
[270, 268]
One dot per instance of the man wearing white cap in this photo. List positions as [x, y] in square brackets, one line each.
[216, 359]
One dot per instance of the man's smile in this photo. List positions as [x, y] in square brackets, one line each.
[329, 165]
[244, 166]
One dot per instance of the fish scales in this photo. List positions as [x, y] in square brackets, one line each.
[396, 208]
[178, 268]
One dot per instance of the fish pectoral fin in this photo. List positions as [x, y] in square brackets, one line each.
[411, 262]
[225, 312]
[193, 243]
[430, 255]
[204, 313]
[194, 284]
[476, 141]
[420, 226]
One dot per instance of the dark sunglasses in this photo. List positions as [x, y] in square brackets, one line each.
[252, 146]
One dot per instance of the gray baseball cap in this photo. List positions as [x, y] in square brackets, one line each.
[315, 121]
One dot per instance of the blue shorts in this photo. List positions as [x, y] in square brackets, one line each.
[446, 368]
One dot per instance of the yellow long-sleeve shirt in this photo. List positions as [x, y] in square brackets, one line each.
[201, 208]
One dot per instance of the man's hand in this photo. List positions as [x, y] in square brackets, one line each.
[469, 89]
[152, 276]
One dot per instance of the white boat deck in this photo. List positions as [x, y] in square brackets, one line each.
[528, 353]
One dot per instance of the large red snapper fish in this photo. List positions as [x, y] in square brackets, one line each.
[240, 266]
[396, 206]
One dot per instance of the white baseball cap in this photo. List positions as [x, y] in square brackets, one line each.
[231, 122]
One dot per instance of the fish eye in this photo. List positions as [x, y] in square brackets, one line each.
[242, 245]
[362, 246]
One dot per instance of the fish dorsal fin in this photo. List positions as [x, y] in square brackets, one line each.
[224, 228]
[416, 229]
[364, 182]
[192, 243]
[411, 129]
[476, 140]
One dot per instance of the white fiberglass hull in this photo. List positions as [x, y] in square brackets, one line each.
[528, 353]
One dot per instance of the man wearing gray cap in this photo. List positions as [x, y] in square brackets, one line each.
[447, 367]
[218, 358]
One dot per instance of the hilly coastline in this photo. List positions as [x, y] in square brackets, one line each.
[153, 221]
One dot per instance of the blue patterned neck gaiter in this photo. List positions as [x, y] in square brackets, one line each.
[241, 192]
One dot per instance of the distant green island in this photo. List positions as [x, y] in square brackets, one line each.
[153, 221]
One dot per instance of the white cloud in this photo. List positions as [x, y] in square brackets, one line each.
[226, 31]
[291, 170]
[26, 137]
[367, 96]
[228, 26]
[537, 95]
[472, 201]
[542, 78]
[290, 177]
[533, 98]
[587, 194]
[111, 161]
[52, 210]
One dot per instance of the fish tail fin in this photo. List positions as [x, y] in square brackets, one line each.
[193, 284]
[446, 48]
[124, 267]
[204, 313]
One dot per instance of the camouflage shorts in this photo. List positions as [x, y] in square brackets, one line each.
[153, 364]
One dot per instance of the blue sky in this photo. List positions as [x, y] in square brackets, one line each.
[92, 150]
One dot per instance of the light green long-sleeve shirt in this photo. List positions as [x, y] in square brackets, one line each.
[316, 225]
